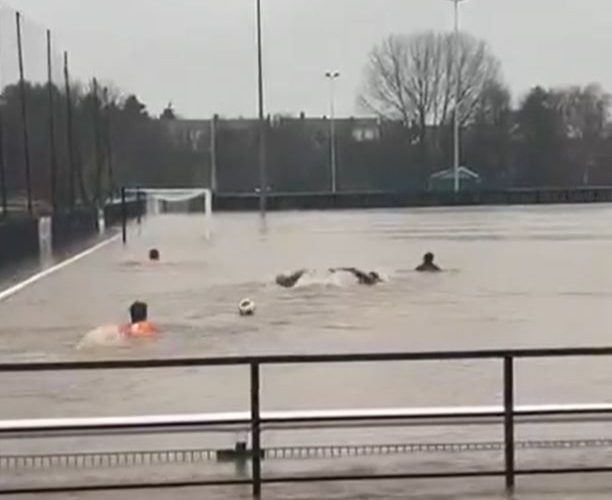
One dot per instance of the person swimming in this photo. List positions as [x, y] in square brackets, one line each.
[120, 335]
[370, 278]
[363, 278]
[140, 326]
[154, 254]
[290, 280]
[428, 266]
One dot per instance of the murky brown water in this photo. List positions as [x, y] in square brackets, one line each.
[515, 277]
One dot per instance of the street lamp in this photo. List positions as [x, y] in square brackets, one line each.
[456, 134]
[262, 131]
[331, 76]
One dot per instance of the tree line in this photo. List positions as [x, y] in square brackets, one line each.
[81, 144]
[86, 140]
[415, 85]
[551, 137]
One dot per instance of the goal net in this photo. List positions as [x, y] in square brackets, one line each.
[174, 200]
[159, 200]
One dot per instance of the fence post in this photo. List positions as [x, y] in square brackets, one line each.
[24, 115]
[138, 211]
[52, 152]
[255, 431]
[509, 421]
[123, 216]
[97, 142]
[70, 136]
[213, 153]
[108, 142]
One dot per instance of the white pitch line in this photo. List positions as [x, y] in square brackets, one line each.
[9, 292]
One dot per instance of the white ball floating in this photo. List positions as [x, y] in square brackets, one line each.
[246, 307]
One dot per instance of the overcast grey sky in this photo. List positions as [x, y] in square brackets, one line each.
[200, 54]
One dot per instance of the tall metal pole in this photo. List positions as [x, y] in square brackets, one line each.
[52, 152]
[24, 114]
[109, 145]
[332, 129]
[263, 181]
[69, 133]
[98, 143]
[456, 131]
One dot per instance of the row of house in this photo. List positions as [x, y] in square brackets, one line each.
[199, 133]
[298, 153]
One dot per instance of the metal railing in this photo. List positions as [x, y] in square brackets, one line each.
[256, 419]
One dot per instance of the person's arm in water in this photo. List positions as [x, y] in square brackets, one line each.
[288, 281]
[360, 275]
[363, 278]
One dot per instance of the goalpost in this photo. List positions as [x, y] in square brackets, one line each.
[170, 200]
[159, 200]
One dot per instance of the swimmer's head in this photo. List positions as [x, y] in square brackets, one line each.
[154, 254]
[138, 312]
[428, 258]
[375, 277]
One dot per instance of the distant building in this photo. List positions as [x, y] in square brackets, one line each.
[298, 151]
[197, 132]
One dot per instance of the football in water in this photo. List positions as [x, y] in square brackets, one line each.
[246, 307]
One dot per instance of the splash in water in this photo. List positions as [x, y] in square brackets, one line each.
[344, 276]
[103, 336]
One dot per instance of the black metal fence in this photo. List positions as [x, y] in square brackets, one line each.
[18, 239]
[398, 199]
[49, 124]
[72, 227]
[258, 420]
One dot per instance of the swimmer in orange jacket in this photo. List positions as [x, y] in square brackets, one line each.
[140, 327]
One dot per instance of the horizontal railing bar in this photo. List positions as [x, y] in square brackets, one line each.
[407, 414]
[373, 418]
[122, 423]
[304, 359]
[439, 422]
[559, 471]
[379, 477]
[280, 418]
[352, 424]
[123, 487]
[123, 431]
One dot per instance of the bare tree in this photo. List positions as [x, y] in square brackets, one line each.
[585, 112]
[413, 78]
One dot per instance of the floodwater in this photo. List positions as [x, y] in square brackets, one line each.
[515, 277]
